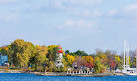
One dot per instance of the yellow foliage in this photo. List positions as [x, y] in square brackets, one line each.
[88, 59]
[103, 56]
[96, 59]
[104, 59]
[70, 58]
[117, 58]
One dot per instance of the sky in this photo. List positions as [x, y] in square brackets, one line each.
[74, 24]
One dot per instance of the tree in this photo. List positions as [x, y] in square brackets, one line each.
[81, 53]
[89, 61]
[118, 62]
[21, 52]
[40, 57]
[80, 61]
[99, 52]
[112, 64]
[70, 59]
[52, 50]
[67, 52]
[104, 60]
[97, 66]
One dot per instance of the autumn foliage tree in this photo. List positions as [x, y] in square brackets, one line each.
[88, 61]
[70, 59]
[22, 52]
[111, 64]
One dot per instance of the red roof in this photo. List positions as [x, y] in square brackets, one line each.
[60, 51]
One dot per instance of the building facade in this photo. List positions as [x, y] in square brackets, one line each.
[3, 59]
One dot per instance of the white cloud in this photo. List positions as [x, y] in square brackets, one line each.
[122, 17]
[80, 26]
[84, 2]
[73, 7]
[6, 1]
[15, 1]
[77, 2]
[128, 11]
[79, 7]
[131, 10]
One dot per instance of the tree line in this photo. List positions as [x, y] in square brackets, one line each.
[23, 54]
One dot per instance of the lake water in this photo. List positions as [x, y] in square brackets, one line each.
[32, 77]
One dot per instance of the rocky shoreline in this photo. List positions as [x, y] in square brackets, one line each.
[63, 73]
[81, 75]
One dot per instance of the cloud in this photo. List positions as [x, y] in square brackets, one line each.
[79, 7]
[71, 7]
[131, 10]
[15, 1]
[7, 1]
[80, 26]
[76, 3]
[123, 18]
[85, 2]
[125, 12]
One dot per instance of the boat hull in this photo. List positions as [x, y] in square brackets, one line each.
[130, 74]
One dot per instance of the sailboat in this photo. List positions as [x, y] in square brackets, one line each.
[127, 70]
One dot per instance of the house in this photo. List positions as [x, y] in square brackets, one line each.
[3, 59]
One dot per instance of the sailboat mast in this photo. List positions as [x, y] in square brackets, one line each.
[128, 55]
[136, 59]
[124, 52]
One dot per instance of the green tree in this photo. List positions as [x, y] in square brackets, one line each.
[67, 52]
[97, 66]
[118, 62]
[21, 52]
[40, 57]
[52, 50]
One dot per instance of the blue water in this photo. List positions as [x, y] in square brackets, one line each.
[32, 77]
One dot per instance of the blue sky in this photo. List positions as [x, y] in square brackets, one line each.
[74, 24]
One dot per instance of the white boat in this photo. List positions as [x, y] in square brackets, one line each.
[127, 70]
[130, 74]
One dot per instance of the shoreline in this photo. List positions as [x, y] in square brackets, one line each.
[62, 73]
[65, 74]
